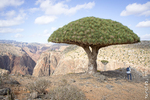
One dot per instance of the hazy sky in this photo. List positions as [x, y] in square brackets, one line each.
[35, 20]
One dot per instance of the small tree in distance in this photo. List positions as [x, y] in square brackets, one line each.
[95, 33]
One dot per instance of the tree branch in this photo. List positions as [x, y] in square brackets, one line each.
[87, 49]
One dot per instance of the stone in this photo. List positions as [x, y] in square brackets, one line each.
[34, 95]
[4, 72]
[5, 91]
[2, 97]
[102, 78]
[73, 80]
[109, 87]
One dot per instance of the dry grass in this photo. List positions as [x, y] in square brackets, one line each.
[39, 86]
[67, 92]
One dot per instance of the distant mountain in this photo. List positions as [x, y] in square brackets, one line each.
[15, 43]
[34, 50]
[21, 57]
[15, 60]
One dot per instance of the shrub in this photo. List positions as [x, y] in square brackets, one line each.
[98, 71]
[3, 77]
[39, 86]
[67, 92]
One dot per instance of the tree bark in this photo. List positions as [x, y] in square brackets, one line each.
[92, 57]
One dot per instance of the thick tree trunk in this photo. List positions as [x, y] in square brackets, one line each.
[92, 56]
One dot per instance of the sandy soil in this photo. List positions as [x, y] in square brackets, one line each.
[110, 89]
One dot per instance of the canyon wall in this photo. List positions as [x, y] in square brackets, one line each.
[15, 60]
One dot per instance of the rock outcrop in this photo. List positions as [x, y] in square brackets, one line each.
[15, 60]
[34, 50]
[3, 72]
[47, 64]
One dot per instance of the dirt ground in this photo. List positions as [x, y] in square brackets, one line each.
[94, 87]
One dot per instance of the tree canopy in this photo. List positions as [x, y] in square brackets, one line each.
[92, 31]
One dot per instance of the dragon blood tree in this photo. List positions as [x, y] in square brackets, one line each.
[95, 33]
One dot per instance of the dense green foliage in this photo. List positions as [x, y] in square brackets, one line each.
[94, 31]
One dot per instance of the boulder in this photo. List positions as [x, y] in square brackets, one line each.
[5, 91]
[4, 72]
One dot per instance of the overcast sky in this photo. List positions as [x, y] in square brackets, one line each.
[35, 20]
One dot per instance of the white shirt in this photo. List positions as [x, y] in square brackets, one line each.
[128, 72]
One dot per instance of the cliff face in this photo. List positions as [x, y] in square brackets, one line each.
[35, 50]
[74, 59]
[15, 60]
[47, 64]
[119, 56]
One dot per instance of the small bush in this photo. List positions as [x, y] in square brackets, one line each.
[3, 78]
[39, 86]
[98, 71]
[104, 62]
[67, 92]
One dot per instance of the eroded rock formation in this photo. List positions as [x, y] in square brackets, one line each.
[47, 64]
[15, 60]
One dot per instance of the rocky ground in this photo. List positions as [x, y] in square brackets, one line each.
[106, 85]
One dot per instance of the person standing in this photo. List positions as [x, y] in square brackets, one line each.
[129, 73]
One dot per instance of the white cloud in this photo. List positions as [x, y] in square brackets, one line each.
[33, 9]
[9, 14]
[44, 19]
[137, 9]
[5, 3]
[18, 36]
[145, 37]
[146, 13]
[10, 30]
[52, 8]
[13, 21]
[73, 10]
[143, 24]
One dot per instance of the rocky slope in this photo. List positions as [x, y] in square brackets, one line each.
[15, 60]
[48, 61]
[119, 56]
[32, 49]
[47, 64]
